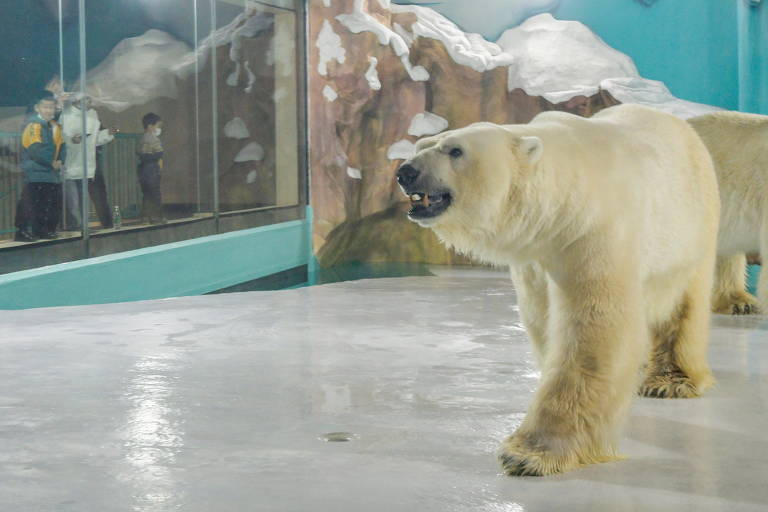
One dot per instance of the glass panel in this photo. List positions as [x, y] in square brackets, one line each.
[161, 132]
[143, 84]
[258, 160]
[39, 42]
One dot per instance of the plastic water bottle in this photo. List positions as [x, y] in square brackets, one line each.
[117, 219]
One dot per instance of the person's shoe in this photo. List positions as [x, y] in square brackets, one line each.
[52, 235]
[23, 235]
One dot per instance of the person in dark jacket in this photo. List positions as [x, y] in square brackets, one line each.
[150, 167]
[43, 151]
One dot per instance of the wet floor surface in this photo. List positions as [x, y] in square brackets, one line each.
[375, 395]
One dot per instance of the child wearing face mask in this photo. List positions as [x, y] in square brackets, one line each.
[149, 170]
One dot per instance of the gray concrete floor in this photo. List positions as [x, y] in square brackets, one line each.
[220, 403]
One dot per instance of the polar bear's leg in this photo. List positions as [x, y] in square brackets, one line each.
[531, 286]
[597, 339]
[678, 365]
[729, 295]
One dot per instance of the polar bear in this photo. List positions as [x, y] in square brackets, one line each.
[738, 144]
[609, 227]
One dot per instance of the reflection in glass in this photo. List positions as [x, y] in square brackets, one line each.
[258, 164]
[221, 75]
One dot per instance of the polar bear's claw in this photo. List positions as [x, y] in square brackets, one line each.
[736, 303]
[672, 385]
[519, 459]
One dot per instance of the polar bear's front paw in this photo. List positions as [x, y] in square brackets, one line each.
[736, 303]
[669, 385]
[519, 459]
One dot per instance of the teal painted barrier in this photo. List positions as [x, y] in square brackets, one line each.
[753, 275]
[190, 267]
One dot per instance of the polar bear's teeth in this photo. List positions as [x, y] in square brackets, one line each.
[423, 199]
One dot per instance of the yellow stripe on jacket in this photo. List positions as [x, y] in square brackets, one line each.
[58, 138]
[32, 135]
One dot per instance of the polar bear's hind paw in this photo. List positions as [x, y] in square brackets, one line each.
[736, 303]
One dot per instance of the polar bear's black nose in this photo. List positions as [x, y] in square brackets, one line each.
[406, 175]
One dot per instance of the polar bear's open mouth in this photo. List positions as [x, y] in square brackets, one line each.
[424, 206]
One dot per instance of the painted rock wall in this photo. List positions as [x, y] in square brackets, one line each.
[376, 84]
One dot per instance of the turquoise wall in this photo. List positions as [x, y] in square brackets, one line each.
[191, 267]
[690, 46]
[753, 57]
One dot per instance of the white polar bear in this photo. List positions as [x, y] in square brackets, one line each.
[738, 144]
[609, 226]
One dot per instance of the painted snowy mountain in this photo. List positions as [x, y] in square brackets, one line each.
[382, 75]
[140, 69]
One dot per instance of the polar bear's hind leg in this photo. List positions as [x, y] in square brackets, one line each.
[729, 296]
[678, 365]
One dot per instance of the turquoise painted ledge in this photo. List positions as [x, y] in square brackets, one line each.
[191, 267]
[753, 275]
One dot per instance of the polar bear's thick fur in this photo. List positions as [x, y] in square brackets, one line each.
[609, 226]
[738, 144]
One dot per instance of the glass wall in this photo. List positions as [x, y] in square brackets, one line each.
[172, 119]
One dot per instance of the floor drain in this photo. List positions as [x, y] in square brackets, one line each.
[338, 437]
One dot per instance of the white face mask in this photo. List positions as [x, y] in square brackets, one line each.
[158, 131]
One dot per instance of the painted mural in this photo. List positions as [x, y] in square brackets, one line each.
[382, 75]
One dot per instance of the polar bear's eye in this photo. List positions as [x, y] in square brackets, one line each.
[456, 152]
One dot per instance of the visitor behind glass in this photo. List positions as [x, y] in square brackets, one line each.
[39, 209]
[150, 167]
[72, 125]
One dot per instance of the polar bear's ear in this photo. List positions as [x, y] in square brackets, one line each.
[532, 147]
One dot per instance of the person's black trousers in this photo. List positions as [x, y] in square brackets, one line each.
[152, 204]
[39, 208]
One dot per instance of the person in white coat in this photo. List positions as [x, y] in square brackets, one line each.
[83, 151]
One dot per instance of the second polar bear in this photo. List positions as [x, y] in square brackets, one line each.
[609, 226]
[738, 144]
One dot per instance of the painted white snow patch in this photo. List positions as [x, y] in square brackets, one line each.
[250, 28]
[236, 129]
[470, 50]
[372, 75]
[654, 94]
[136, 71]
[234, 77]
[329, 93]
[427, 123]
[251, 152]
[561, 59]
[327, 3]
[354, 173]
[417, 73]
[251, 77]
[402, 149]
[251, 177]
[360, 21]
[329, 44]
[402, 32]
